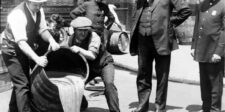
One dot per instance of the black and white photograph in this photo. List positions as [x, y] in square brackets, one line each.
[112, 56]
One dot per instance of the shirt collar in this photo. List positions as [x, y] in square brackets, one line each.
[32, 14]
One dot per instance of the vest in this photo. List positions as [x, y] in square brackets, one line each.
[145, 21]
[31, 29]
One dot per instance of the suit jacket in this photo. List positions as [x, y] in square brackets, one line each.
[162, 21]
[209, 31]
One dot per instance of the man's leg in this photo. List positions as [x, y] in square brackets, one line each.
[12, 103]
[144, 77]
[111, 93]
[205, 87]
[84, 102]
[162, 67]
[18, 67]
[215, 73]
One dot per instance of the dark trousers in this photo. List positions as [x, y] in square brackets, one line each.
[146, 54]
[211, 83]
[107, 75]
[18, 67]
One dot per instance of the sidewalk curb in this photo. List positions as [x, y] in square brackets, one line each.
[172, 79]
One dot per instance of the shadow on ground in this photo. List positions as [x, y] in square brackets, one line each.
[152, 106]
[193, 108]
[95, 109]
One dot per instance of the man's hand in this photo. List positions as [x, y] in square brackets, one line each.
[41, 61]
[53, 45]
[192, 52]
[75, 49]
[216, 58]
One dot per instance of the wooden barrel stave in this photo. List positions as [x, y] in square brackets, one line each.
[118, 42]
[45, 95]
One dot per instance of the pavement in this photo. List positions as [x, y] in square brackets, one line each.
[181, 97]
[183, 68]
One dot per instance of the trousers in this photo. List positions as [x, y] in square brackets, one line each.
[146, 55]
[211, 84]
[18, 68]
[111, 94]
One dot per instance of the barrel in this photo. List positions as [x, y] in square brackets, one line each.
[45, 94]
[118, 42]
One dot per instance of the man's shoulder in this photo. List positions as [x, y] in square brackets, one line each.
[16, 13]
[95, 36]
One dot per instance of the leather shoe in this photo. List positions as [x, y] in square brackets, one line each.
[158, 110]
[140, 110]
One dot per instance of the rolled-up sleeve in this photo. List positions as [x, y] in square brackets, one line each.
[95, 43]
[17, 22]
[43, 25]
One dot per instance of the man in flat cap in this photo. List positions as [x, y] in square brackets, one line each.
[97, 11]
[25, 25]
[84, 40]
[88, 43]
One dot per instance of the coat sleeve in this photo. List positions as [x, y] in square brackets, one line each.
[110, 16]
[196, 6]
[78, 11]
[183, 12]
[220, 49]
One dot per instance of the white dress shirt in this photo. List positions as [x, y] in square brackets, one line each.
[17, 21]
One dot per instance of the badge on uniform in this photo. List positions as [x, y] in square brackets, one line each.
[214, 13]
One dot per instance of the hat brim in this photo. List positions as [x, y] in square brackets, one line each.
[38, 1]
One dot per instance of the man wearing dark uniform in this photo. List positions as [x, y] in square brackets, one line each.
[208, 50]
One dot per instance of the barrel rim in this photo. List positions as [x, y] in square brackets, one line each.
[116, 49]
[84, 59]
[63, 47]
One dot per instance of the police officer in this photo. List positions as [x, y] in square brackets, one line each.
[208, 50]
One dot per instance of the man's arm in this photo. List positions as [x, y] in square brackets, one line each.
[93, 48]
[183, 12]
[78, 11]
[108, 14]
[45, 34]
[26, 49]
[18, 27]
[221, 44]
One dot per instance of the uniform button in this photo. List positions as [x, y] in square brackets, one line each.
[199, 36]
[207, 11]
[210, 3]
[201, 28]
